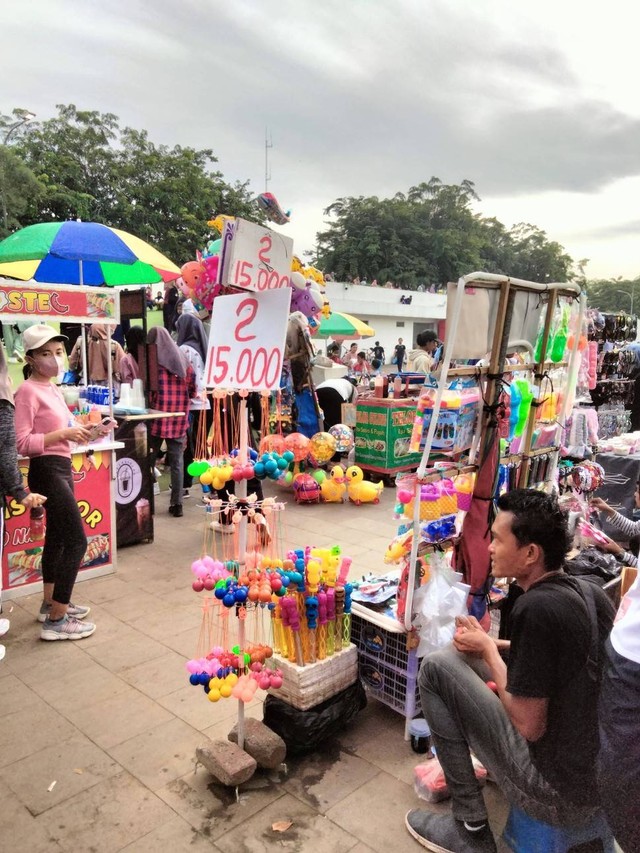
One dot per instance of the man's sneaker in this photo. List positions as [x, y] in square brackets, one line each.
[176, 510]
[186, 493]
[75, 611]
[445, 834]
[66, 628]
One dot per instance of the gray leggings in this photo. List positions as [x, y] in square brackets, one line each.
[65, 541]
[463, 713]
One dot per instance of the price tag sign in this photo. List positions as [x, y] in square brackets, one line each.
[255, 258]
[246, 343]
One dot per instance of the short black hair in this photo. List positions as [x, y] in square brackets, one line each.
[538, 520]
[426, 338]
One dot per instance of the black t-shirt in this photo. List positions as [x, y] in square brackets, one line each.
[550, 657]
[400, 350]
[378, 352]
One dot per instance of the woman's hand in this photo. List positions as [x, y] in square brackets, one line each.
[32, 499]
[611, 547]
[79, 434]
[602, 506]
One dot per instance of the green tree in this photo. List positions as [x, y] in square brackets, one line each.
[92, 169]
[19, 188]
[617, 294]
[431, 235]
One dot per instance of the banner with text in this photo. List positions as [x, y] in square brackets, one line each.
[254, 257]
[246, 343]
[66, 303]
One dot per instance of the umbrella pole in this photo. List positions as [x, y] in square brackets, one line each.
[85, 369]
[109, 372]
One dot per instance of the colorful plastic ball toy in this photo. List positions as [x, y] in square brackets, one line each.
[343, 436]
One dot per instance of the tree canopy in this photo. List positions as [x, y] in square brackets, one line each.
[82, 164]
[430, 235]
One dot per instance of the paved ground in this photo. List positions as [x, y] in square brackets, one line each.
[112, 721]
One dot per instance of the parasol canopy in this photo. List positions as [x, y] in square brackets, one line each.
[340, 325]
[82, 253]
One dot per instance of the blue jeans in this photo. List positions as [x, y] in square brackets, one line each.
[619, 759]
[463, 713]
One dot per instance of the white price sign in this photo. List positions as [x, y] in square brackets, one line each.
[246, 343]
[255, 258]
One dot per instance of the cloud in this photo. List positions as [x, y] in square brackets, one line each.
[609, 232]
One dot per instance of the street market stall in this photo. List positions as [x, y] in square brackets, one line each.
[93, 465]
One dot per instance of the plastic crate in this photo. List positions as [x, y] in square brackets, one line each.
[388, 670]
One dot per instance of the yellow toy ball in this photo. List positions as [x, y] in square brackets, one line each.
[214, 695]
[207, 478]
[225, 691]
[232, 679]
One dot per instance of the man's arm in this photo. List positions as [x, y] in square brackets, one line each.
[528, 715]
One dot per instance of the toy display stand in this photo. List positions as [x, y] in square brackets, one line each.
[383, 643]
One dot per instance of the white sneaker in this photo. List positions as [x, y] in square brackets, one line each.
[4, 626]
[225, 529]
[66, 628]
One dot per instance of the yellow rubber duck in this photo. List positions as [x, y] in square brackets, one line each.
[360, 491]
[333, 487]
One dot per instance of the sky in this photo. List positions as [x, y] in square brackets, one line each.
[536, 101]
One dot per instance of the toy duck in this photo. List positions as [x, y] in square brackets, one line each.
[360, 491]
[399, 547]
[333, 487]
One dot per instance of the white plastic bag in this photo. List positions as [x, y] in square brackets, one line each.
[436, 605]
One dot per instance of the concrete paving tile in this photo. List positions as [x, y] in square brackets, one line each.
[160, 755]
[327, 776]
[213, 809]
[384, 801]
[308, 831]
[20, 832]
[88, 684]
[159, 676]
[137, 603]
[191, 705]
[15, 696]
[41, 659]
[170, 619]
[119, 718]
[108, 627]
[75, 765]
[125, 652]
[385, 748]
[176, 835]
[99, 590]
[29, 730]
[185, 643]
[107, 817]
[227, 716]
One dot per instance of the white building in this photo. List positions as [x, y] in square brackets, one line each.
[392, 313]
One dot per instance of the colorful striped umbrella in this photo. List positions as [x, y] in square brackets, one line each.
[340, 325]
[82, 253]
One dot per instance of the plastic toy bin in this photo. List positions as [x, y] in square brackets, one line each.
[388, 670]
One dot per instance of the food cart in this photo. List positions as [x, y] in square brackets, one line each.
[93, 465]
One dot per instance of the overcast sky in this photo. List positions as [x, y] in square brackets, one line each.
[535, 101]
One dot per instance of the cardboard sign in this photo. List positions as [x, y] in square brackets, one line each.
[246, 343]
[66, 303]
[255, 258]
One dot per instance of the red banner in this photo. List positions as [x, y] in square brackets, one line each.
[91, 478]
[28, 301]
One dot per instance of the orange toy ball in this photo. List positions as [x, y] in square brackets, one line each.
[265, 596]
[271, 444]
[253, 594]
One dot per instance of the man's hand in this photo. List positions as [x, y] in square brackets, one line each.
[471, 638]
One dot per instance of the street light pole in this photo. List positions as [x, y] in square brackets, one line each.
[23, 117]
[630, 295]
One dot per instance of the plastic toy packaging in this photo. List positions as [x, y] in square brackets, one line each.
[429, 782]
[591, 534]
[456, 420]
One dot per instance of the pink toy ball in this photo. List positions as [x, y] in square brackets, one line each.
[217, 651]
[265, 683]
[209, 562]
[276, 682]
[198, 569]
[197, 585]
[192, 666]
[343, 436]
[209, 584]
[404, 496]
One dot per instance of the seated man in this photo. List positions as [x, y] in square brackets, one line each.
[538, 737]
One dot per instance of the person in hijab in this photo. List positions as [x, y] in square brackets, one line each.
[97, 355]
[192, 342]
[171, 296]
[129, 365]
[176, 387]
[11, 481]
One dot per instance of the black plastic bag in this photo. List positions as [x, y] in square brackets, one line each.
[597, 564]
[304, 731]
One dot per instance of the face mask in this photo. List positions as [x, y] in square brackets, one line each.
[60, 361]
[46, 366]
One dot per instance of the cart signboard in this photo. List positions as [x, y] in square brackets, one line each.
[33, 300]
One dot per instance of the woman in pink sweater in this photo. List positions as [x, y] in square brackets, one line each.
[44, 432]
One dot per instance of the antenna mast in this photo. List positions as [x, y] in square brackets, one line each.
[268, 143]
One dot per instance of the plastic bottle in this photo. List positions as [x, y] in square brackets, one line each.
[397, 388]
[36, 523]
